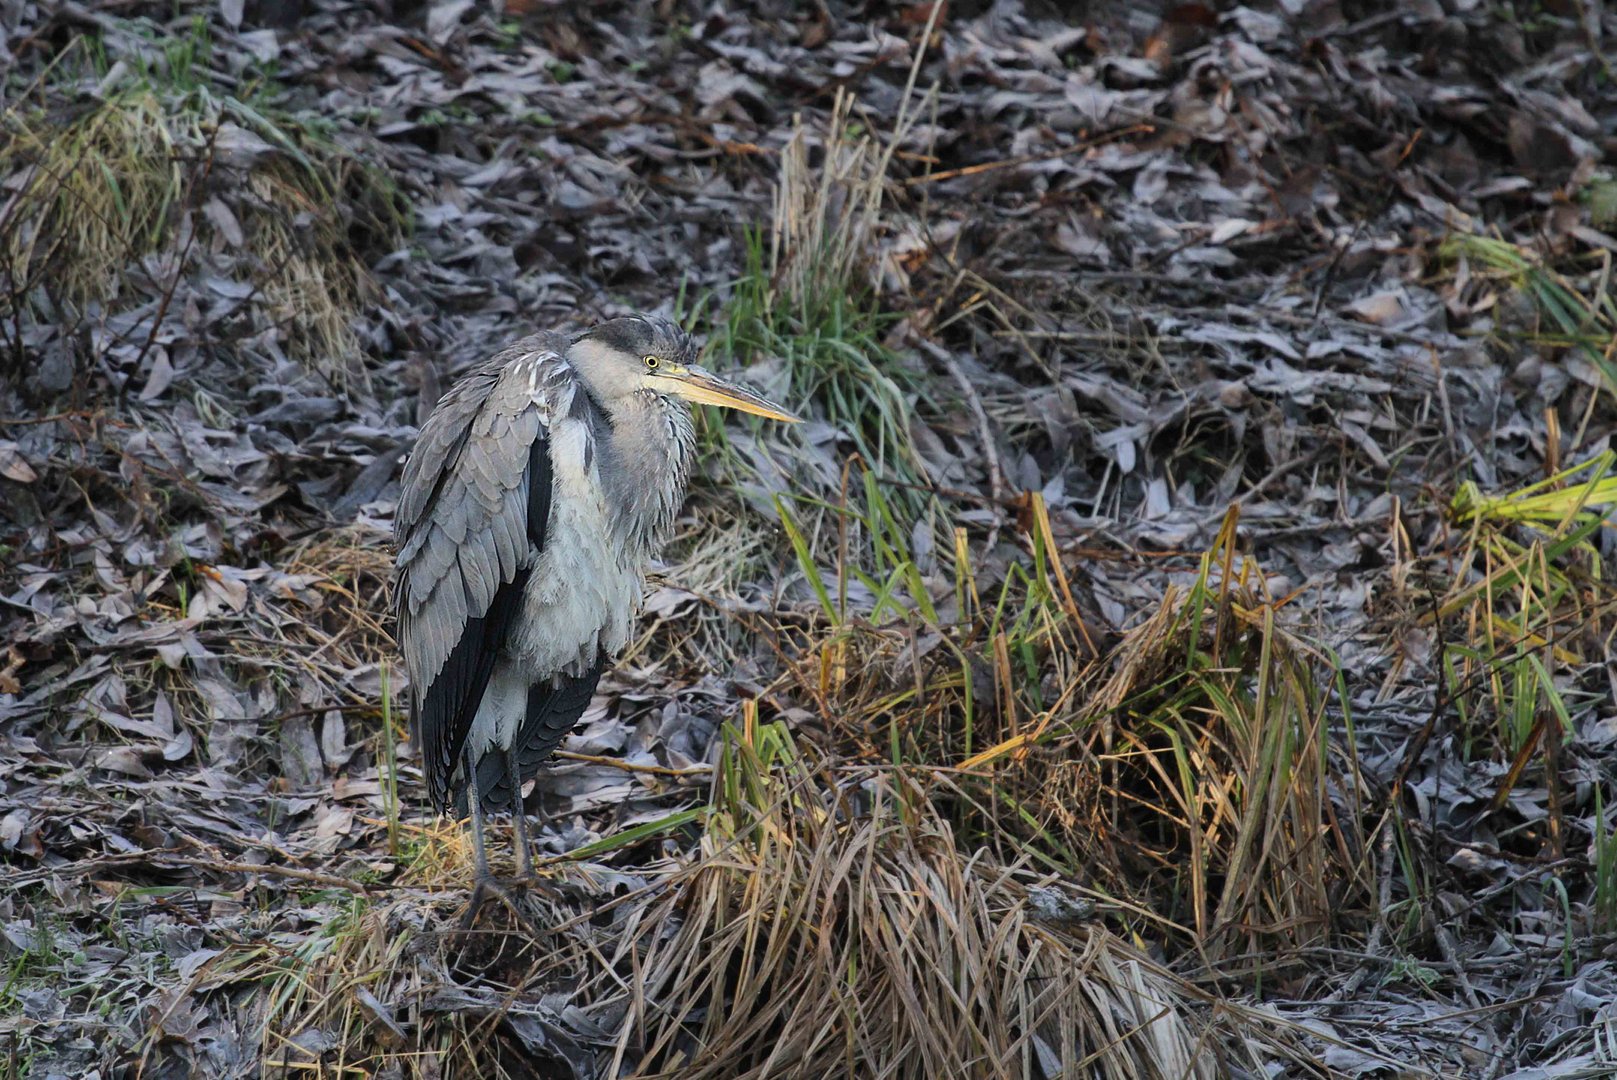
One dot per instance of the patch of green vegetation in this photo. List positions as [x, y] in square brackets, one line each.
[830, 344]
[536, 117]
[447, 117]
[181, 61]
[1601, 196]
[1583, 320]
[54, 959]
[1408, 971]
[285, 974]
[508, 32]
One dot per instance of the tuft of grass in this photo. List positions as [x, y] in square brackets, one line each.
[1198, 781]
[1529, 595]
[1522, 610]
[1583, 320]
[112, 181]
[836, 929]
[830, 344]
[1554, 505]
[806, 300]
[1191, 772]
[909, 647]
[827, 220]
[97, 195]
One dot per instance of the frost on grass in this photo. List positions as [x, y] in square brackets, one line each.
[136, 174]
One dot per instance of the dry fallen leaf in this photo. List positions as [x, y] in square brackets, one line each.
[13, 466]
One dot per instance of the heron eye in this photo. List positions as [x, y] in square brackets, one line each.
[651, 363]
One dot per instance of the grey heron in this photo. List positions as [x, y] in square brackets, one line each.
[537, 491]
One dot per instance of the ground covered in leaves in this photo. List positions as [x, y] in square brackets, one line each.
[1178, 644]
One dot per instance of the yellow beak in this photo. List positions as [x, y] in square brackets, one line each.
[705, 388]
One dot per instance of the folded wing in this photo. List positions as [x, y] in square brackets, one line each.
[471, 521]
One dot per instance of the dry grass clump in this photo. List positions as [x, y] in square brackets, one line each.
[355, 576]
[827, 219]
[97, 187]
[310, 281]
[842, 933]
[1198, 781]
[386, 990]
[1190, 772]
[827, 926]
[96, 194]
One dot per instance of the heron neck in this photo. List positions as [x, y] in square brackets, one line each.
[650, 444]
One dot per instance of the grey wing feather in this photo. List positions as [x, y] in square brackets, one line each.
[470, 522]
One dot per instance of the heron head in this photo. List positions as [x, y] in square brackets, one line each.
[624, 356]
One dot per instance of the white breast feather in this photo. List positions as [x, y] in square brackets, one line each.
[583, 594]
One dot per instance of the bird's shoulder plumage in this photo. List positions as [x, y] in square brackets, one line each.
[470, 524]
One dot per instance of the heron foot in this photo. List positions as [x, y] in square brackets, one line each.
[487, 888]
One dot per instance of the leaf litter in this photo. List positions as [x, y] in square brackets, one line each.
[1330, 267]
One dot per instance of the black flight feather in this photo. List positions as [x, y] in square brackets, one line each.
[552, 712]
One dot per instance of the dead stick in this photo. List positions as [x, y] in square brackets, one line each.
[294, 872]
[626, 766]
[1029, 159]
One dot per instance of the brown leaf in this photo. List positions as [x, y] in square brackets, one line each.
[1539, 147]
[13, 466]
[18, 833]
[123, 759]
[173, 1016]
[1182, 27]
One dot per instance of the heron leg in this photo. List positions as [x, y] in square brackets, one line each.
[484, 886]
[475, 800]
[519, 820]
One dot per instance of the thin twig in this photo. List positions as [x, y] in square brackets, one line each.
[294, 872]
[71, 414]
[1445, 944]
[629, 766]
[1029, 159]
